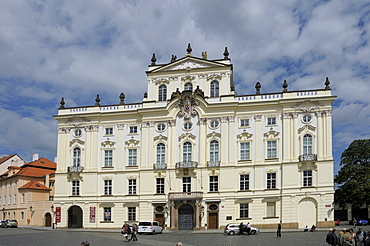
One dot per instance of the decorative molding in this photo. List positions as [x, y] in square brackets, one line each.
[307, 106]
[187, 135]
[187, 104]
[160, 137]
[214, 135]
[132, 142]
[120, 126]
[64, 129]
[108, 144]
[244, 136]
[171, 123]
[144, 124]
[77, 121]
[257, 117]
[188, 65]
[272, 134]
[202, 121]
[161, 81]
[188, 78]
[76, 141]
[214, 76]
[309, 128]
[224, 119]
[92, 128]
[231, 118]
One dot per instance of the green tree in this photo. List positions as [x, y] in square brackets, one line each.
[353, 179]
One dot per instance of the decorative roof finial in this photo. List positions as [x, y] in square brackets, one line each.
[258, 88]
[145, 95]
[122, 98]
[226, 53]
[62, 103]
[153, 60]
[97, 100]
[189, 49]
[327, 84]
[285, 86]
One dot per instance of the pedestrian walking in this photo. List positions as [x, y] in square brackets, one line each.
[278, 232]
[241, 228]
[134, 232]
[331, 238]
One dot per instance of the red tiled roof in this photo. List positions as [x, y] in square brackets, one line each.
[5, 158]
[43, 163]
[34, 185]
[34, 172]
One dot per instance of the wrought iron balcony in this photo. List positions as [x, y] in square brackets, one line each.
[185, 195]
[160, 166]
[75, 169]
[186, 164]
[307, 157]
[213, 163]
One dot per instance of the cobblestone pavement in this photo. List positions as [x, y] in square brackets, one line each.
[45, 236]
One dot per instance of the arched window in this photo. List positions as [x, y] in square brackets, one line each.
[162, 93]
[76, 157]
[186, 152]
[214, 150]
[188, 87]
[161, 153]
[215, 89]
[307, 144]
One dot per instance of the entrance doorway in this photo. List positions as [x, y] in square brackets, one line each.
[160, 219]
[75, 217]
[47, 219]
[186, 217]
[212, 220]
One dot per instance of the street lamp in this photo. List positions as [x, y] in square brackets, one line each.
[31, 208]
[52, 208]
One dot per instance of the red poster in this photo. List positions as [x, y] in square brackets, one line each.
[58, 214]
[92, 214]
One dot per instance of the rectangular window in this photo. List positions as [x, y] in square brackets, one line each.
[160, 186]
[243, 210]
[270, 209]
[244, 122]
[51, 184]
[107, 187]
[109, 131]
[307, 178]
[271, 121]
[75, 188]
[22, 215]
[186, 184]
[133, 129]
[244, 182]
[23, 198]
[108, 158]
[213, 183]
[132, 213]
[15, 198]
[245, 151]
[107, 214]
[132, 157]
[132, 186]
[271, 149]
[271, 181]
[10, 199]
[51, 198]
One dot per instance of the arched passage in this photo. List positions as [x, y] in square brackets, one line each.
[47, 220]
[75, 217]
[307, 212]
[186, 217]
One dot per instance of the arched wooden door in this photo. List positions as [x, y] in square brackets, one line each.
[48, 220]
[75, 217]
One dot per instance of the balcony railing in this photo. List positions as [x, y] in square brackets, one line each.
[187, 164]
[213, 163]
[159, 166]
[185, 195]
[75, 169]
[308, 157]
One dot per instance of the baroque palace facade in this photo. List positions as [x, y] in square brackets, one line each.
[195, 155]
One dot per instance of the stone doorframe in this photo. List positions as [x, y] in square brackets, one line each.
[174, 212]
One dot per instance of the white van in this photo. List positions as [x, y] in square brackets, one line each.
[151, 227]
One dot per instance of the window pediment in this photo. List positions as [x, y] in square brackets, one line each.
[108, 144]
[132, 143]
[214, 135]
[161, 81]
[307, 128]
[160, 137]
[272, 134]
[215, 76]
[187, 136]
[244, 136]
[76, 142]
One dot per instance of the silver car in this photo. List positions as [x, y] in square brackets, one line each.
[11, 223]
[232, 229]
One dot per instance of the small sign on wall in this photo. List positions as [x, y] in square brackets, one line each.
[58, 214]
[229, 217]
[92, 214]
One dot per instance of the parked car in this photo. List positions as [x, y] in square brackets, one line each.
[11, 223]
[232, 229]
[362, 222]
[2, 223]
[150, 227]
[337, 221]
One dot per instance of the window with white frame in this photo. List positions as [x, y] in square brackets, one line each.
[187, 151]
[271, 149]
[160, 186]
[132, 157]
[15, 198]
[161, 153]
[186, 184]
[215, 89]
[188, 87]
[23, 198]
[108, 187]
[271, 121]
[22, 215]
[214, 150]
[270, 209]
[75, 188]
[243, 210]
[245, 151]
[244, 182]
[214, 124]
[51, 198]
[51, 184]
[307, 144]
[132, 186]
[271, 181]
[213, 183]
[131, 213]
[307, 178]
[109, 131]
[76, 157]
[133, 129]
[108, 158]
[244, 122]
[10, 199]
[162, 93]
[107, 214]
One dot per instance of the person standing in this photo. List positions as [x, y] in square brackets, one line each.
[278, 232]
[133, 233]
[241, 228]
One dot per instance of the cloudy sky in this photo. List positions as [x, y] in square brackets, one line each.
[76, 49]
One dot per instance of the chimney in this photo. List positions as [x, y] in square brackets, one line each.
[35, 157]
